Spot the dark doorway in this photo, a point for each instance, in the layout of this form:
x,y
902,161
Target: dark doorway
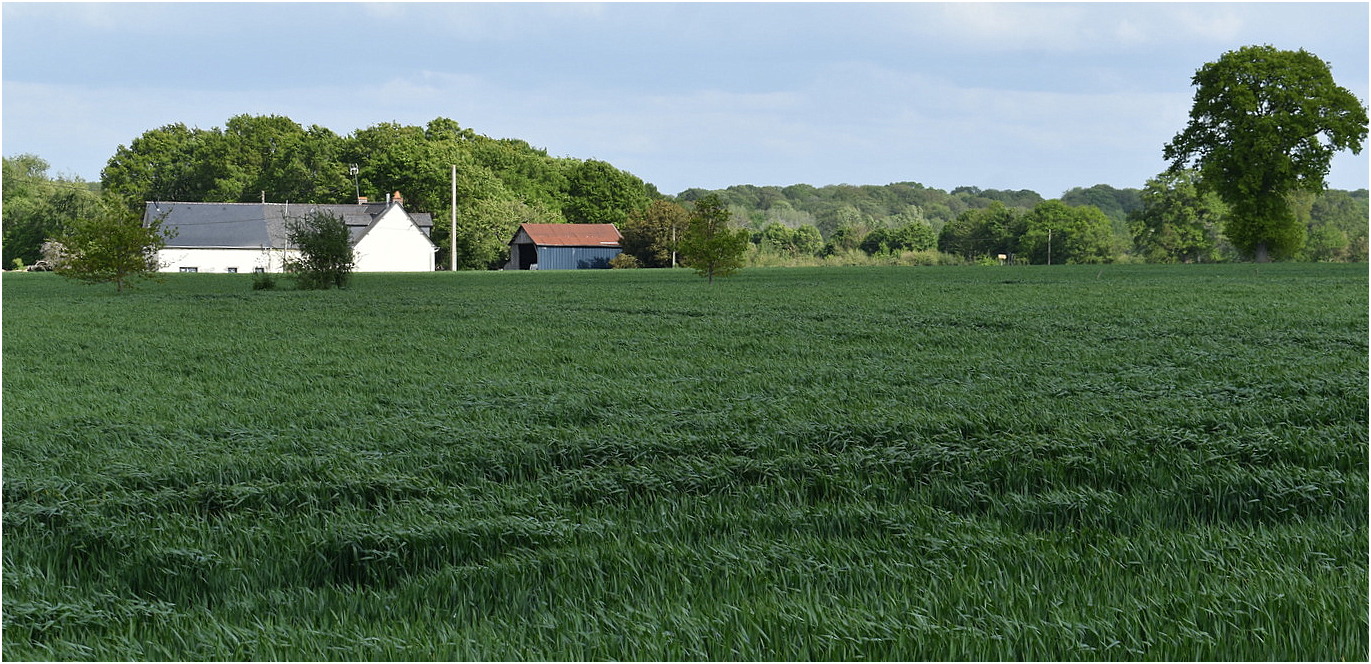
x,y
528,256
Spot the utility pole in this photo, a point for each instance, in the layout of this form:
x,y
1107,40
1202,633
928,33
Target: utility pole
x,y
1049,245
452,233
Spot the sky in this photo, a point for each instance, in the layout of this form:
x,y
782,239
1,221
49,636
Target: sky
x,y
1039,96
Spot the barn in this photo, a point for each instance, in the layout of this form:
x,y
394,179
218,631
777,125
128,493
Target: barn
x,y
563,246
251,237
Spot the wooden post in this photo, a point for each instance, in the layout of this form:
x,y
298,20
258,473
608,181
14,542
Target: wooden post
x,y
452,232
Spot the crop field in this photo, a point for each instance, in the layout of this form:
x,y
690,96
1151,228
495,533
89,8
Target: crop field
x,y
1019,463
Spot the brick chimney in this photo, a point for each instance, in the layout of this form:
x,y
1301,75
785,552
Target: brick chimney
x,y
398,200
361,200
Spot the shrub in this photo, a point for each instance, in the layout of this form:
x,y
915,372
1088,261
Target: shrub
x,y
326,258
624,262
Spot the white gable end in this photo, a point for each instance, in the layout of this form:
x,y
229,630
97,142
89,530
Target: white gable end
x,y
393,243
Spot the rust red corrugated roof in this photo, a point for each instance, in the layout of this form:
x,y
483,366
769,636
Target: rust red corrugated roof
x,y
572,235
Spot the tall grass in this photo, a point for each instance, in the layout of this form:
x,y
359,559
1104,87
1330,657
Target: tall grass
x,y
1127,462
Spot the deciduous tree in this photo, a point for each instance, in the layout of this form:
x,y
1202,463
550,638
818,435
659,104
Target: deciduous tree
x,y
1266,123
1177,221
807,239
651,234
1057,233
992,230
710,246
112,245
602,194
163,164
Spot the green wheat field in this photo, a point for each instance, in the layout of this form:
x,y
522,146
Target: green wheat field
x,y
1003,463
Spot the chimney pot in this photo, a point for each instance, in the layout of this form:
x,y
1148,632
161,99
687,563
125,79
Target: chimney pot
x,y
397,197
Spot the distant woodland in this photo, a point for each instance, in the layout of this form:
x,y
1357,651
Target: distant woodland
x,y
504,182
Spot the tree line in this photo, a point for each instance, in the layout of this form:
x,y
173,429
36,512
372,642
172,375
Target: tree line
x,y
1170,220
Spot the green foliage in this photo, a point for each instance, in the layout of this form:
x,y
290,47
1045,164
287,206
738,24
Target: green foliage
x,y
847,237
1116,204
113,245
325,251
651,234
915,235
976,198
164,164
263,281
624,261
273,157
393,157
1177,223
1335,216
1056,233
486,225
782,240
974,223
37,206
864,464
1265,124
989,231
877,241
865,207
598,193
806,240
709,245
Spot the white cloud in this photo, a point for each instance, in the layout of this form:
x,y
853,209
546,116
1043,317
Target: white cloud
x,y
481,21
1012,26
1073,27
1215,23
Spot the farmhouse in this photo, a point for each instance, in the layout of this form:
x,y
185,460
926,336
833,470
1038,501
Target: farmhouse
x,y
251,237
563,246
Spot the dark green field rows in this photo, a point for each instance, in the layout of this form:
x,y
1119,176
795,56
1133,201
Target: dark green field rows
x,y
1127,462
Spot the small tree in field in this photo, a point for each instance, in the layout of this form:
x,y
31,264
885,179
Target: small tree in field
x,y
709,245
326,259
112,245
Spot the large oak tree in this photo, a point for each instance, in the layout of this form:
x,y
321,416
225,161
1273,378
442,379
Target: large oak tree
x,y
1265,124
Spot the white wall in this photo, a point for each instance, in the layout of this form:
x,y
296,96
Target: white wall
x,y
394,244
220,260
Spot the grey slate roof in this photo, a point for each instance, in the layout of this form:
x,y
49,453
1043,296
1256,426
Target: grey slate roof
x,y
258,225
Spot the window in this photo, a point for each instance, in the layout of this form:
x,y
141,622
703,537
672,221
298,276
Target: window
x,y
231,270
190,269
259,270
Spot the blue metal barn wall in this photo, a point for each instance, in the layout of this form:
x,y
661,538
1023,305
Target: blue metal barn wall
x,y
575,258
